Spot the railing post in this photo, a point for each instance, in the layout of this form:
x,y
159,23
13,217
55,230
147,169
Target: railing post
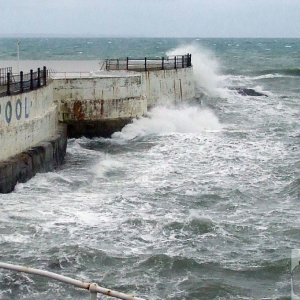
x,y
127,63
31,79
145,63
8,84
93,291
182,62
93,295
44,75
21,82
39,77
162,63
175,62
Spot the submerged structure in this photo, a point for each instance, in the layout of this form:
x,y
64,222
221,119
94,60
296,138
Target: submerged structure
x,y
39,110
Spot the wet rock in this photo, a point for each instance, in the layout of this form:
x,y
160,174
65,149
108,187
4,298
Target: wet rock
x,y
249,92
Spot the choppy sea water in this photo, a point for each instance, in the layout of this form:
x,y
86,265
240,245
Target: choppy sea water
x,y
199,201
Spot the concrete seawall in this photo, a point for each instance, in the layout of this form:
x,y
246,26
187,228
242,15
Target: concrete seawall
x,y
31,138
98,106
43,157
34,125
26,119
168,86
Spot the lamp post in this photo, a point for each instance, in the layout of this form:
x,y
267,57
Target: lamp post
x,y
18,55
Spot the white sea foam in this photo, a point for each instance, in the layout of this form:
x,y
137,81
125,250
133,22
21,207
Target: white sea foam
x,y
107,166
261,89
166,120
268,76
206,69
14,238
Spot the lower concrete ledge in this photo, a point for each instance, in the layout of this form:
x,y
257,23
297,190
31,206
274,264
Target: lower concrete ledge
x,y
103,128
44,157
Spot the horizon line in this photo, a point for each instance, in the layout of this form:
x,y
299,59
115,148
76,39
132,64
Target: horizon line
x,y
23,36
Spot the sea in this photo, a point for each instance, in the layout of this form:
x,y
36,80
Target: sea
x,y
194,201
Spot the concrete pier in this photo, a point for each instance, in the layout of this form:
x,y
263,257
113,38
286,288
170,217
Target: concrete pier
x,y
37,114
98,105
31,138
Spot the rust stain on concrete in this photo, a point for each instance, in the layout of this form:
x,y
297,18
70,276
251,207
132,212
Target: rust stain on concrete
x,y
78,110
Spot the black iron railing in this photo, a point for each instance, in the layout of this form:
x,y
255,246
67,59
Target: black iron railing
x,y
3,74
12,84
148,64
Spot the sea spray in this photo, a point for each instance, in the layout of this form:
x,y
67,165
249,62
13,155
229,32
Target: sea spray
x,y
108,166
165,120
206,69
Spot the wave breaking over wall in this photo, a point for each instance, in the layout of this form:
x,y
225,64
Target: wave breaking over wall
x,y
166,120
206,69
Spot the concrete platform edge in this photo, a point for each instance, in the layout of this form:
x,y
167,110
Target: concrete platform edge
x,y
44,157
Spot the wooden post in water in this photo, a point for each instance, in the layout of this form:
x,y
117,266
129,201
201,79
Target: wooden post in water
x,y
162,63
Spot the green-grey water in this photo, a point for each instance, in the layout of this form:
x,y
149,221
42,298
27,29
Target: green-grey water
x,y
199,201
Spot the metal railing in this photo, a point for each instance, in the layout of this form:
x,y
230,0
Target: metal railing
x,y
149,64
3,75
14,84
70,75
93,288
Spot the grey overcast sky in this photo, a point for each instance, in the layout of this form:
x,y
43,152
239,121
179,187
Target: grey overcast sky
x,y
150,18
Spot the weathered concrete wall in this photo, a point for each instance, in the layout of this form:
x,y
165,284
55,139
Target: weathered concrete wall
x,y
43,157
168,86
31,139
25,120
99,105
